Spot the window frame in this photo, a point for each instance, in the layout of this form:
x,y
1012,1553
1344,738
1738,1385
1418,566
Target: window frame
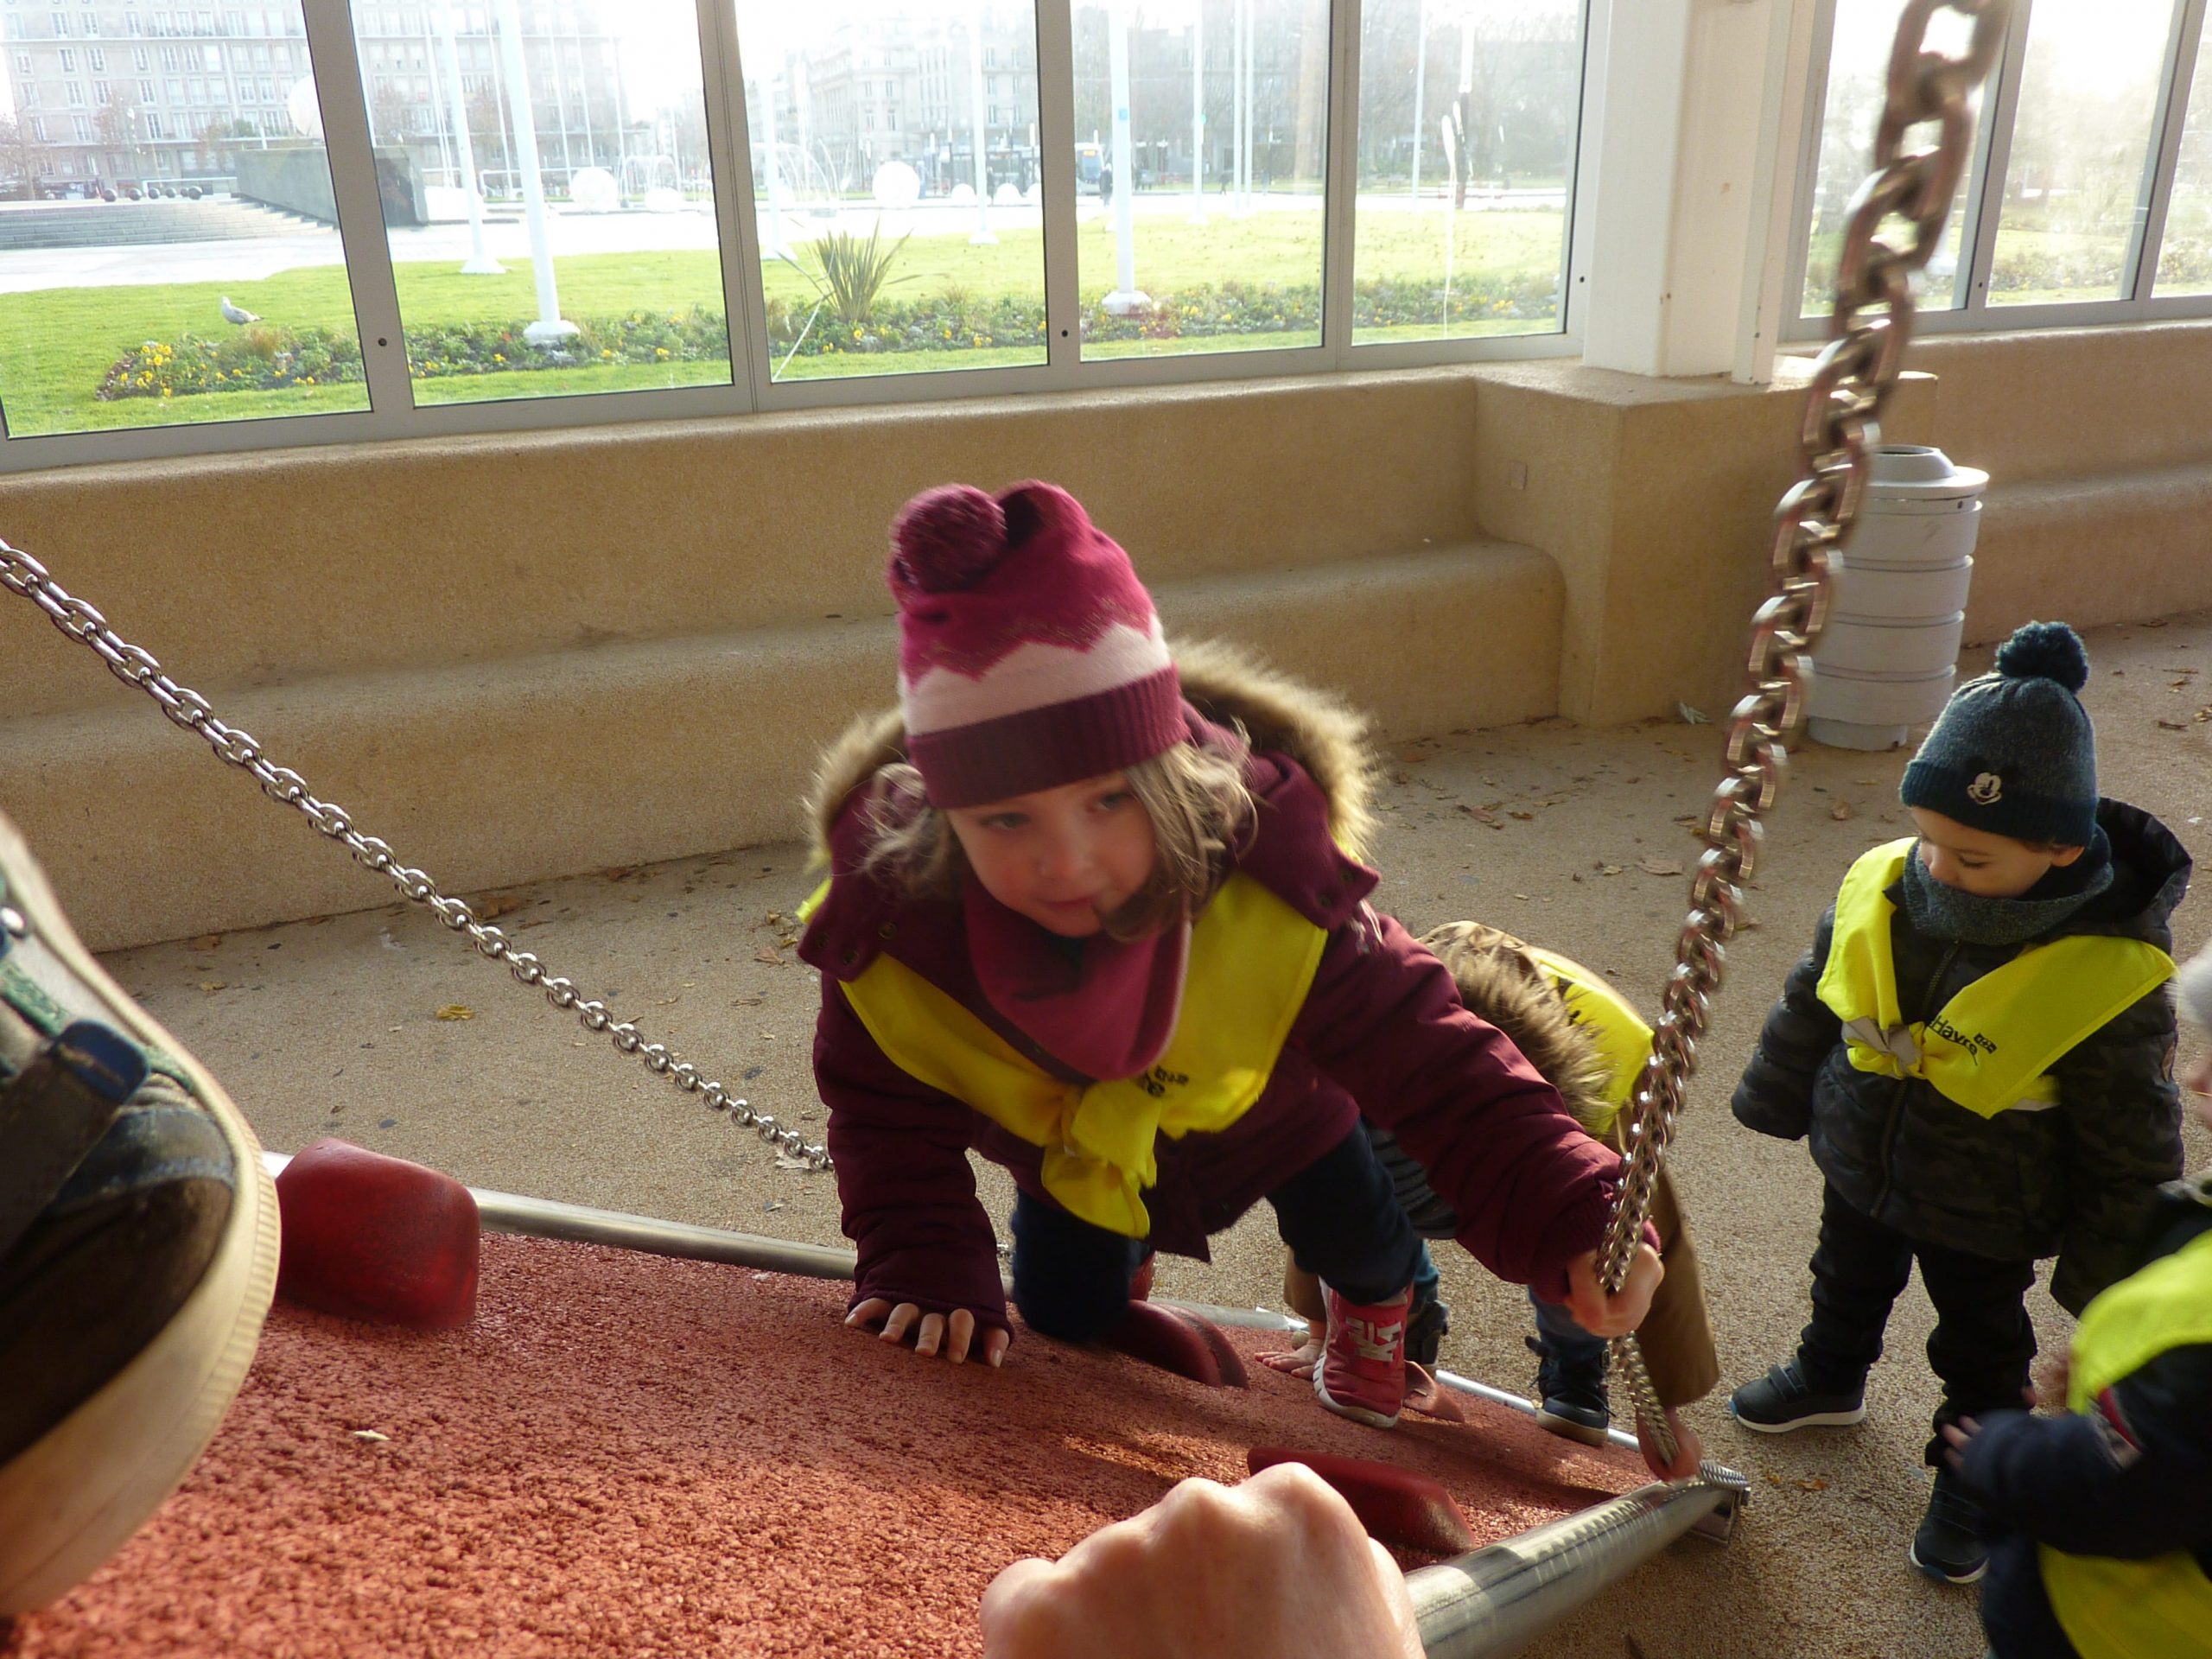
x,y
334,61
1970,311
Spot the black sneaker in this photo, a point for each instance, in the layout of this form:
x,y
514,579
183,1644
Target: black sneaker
x,y
1570,1395
137,1251
1948,1545
1783,1399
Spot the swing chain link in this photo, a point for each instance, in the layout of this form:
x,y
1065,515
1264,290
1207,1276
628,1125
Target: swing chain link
x,y
1851,381
20,573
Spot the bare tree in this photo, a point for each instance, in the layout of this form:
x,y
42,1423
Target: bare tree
x,y
19,156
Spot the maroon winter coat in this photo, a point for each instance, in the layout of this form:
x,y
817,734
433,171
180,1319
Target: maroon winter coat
x,y
1381,1032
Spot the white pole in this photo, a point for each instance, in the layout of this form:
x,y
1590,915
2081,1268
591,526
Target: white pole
x,y
1420,80
1239,93
481,262
1198,112
982,237
550,326
1127,297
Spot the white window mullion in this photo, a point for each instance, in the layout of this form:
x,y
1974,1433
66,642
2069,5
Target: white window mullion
x,y
737,231
1589,118
1340,188
1056,170
2150,229
337,70
1985,199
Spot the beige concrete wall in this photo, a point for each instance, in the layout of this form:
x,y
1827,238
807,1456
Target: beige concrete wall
x,y
260,569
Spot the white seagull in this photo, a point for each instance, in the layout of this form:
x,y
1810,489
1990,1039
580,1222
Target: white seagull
x,y
238,314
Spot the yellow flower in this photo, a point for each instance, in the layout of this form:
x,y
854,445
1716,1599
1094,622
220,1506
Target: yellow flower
x,y
604,352
660,351
498,357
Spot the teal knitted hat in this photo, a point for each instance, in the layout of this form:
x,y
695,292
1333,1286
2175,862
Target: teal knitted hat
x,y
2014,753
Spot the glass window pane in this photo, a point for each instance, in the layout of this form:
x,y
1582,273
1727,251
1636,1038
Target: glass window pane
x,y
547,196
2185,256
892,242
1224,256
2074,188
1859,67
1468,115
181,267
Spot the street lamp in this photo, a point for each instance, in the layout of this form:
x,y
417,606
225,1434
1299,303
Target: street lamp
x,y
983,236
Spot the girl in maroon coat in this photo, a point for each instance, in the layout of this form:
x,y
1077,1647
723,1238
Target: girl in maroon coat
x,y
1103,922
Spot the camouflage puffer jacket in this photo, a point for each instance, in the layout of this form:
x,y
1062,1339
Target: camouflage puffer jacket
x,y
2078,1181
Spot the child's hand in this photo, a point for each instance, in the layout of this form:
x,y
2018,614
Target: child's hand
x,y
1956,1438
1689,1451
1602,1315
956,1335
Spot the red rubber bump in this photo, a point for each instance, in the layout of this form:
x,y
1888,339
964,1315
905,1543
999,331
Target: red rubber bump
x,y
1228,1364
370,1237
1162,1337
1395,1505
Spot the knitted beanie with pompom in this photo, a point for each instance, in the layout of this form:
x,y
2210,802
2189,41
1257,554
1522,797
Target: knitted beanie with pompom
x,y
2013,752
1029,653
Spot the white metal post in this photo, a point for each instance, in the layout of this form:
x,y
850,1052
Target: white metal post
x,y
1127,297
1198,112
983,236
1421,78
1241,186
774,243
550,326
479,262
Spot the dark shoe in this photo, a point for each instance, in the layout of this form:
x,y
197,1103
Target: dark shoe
x,y
1783,1399
137,1251
1362,1373
1572,1394
1948,1546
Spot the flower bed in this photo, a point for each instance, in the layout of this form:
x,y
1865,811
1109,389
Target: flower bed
x,y
255,358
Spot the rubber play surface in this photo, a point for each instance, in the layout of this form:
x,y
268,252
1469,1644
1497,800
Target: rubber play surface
x,y
627,1454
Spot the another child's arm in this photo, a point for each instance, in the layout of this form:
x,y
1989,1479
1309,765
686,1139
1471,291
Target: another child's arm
x,y
2122,1122
928,1258
1383,1021
2126,1478
1776,1094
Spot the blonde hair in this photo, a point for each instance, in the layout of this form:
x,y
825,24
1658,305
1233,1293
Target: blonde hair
x,y
1196,799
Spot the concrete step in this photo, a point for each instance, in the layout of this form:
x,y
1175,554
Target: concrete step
x,y
489,773
132,223
2111,547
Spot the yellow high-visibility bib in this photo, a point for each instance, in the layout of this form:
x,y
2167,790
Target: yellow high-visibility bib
x,y
1252,961
1624,1040
1990,1048
2160,1608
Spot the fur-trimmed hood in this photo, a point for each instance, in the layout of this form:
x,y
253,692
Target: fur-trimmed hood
x,y
1226,684
1500,981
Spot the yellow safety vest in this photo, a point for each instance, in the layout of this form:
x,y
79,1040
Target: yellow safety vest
x,y
1990,1046
1252,961
1624,1041
2160,1608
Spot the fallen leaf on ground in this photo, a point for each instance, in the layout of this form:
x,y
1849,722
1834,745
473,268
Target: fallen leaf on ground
x,y
1691,716
2205,713
211,986
784,1160
371,1436
457,1011
1610,869
1812,1484
497,904
205,941
765,954
2173,725
616,871
1659,866
1840,811
1525,817
1411,758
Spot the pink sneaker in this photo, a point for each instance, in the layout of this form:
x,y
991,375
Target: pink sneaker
x,y
1362,1374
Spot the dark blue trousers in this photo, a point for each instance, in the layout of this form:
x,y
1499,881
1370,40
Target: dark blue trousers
x,y
1339,1216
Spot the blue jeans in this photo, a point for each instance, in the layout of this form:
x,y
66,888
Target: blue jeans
x,y
1570,1346
1339,1215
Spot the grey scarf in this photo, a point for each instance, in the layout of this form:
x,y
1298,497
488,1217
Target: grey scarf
x,y
1942,913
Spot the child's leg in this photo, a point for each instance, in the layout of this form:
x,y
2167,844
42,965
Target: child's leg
x,y
1340,1217
1983,1342
1859,1269
1570,1376
1070,1279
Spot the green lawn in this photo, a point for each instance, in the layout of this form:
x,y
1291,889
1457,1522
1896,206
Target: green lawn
x,y
56,345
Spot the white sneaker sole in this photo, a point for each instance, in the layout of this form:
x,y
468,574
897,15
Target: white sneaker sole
x,y
73,1497
1372,1418
1814,1419
1568,1429
1912,1554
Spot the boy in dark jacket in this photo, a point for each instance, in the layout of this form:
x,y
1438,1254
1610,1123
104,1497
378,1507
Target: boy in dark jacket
x,y
2104,1548
1980,1048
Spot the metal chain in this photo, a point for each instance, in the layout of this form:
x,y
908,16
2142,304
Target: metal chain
x,y
1851,382
24,574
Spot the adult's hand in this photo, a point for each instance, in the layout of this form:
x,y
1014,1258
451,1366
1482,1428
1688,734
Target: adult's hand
x,y
1277,1567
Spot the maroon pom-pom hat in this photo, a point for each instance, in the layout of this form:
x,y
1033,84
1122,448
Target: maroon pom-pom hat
x,y
1029,653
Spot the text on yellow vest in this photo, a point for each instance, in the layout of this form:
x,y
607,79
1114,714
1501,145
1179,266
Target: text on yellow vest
x,y
1989,1047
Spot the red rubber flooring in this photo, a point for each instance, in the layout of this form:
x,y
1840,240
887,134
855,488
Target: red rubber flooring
x,y
628,1455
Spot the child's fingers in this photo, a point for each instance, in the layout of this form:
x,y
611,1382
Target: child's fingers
x,y
867,1312
995,1343
930,1334
901,1321
959,1332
